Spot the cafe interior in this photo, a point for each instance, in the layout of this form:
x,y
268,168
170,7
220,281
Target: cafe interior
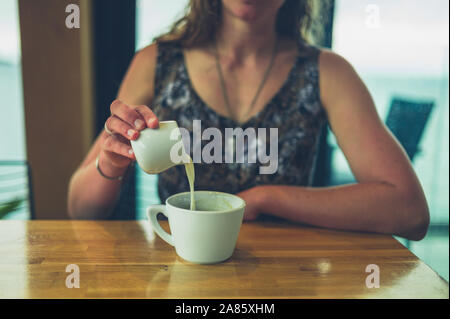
x,y
57,81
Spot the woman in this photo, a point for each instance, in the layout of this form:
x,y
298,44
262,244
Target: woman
x,y
242,63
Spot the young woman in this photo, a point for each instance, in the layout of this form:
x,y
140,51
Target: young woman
x,y
245,63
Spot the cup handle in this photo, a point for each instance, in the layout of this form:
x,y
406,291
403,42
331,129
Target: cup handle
x,y
152,212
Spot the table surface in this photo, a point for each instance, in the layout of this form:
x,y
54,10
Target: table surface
x,y
125,259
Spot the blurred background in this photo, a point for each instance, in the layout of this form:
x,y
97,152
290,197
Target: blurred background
x,y
56,85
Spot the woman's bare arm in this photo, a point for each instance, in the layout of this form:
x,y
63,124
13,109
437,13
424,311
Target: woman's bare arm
x,y
92,196
388,197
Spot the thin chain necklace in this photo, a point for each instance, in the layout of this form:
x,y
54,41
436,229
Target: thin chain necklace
x,y
258,91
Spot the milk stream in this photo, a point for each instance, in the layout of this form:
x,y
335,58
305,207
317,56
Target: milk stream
x,y
190,172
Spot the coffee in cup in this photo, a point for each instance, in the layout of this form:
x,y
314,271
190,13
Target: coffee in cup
x,y
206,235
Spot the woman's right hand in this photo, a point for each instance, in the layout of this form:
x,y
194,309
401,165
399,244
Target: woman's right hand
x,y
125,123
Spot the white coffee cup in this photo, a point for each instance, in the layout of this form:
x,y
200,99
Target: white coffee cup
x,y
153,147
201,236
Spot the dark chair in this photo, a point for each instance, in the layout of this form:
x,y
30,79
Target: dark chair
x,y
322,170
406,120
16,192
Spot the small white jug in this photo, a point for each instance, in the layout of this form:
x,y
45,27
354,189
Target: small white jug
x,y
154,147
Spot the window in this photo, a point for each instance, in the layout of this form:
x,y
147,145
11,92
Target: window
x,y
400,49
13,171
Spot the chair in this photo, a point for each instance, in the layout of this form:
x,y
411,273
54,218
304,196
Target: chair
x,y
406,120
322,171
16,192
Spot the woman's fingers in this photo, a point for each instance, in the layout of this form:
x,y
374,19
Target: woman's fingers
x,y
116,125
122,126
128,114
119,145
150,118
139,117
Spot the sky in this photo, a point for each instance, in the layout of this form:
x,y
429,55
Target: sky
x,y
410,38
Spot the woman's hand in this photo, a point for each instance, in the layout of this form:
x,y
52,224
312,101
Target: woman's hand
x,y
253,198
122,126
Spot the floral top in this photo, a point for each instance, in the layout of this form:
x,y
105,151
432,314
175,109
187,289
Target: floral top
x,y
296,111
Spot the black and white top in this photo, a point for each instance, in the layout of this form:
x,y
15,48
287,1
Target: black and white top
x,y
296,111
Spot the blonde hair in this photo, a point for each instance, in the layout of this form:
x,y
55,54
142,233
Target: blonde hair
x,y
200,23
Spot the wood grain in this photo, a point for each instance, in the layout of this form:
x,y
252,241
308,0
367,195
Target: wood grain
x,y
272,260
58,98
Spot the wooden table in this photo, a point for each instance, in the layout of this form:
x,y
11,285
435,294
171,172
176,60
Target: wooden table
x,y
272,260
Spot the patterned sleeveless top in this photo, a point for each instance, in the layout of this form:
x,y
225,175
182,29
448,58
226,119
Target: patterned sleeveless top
x,y
296,111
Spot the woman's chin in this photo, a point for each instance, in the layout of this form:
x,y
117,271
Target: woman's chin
x,y
248,14
252,10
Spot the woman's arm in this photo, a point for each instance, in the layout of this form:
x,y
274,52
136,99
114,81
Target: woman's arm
x,y
92,196
388,197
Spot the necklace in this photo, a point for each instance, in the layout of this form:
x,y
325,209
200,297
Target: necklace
x,y
258,91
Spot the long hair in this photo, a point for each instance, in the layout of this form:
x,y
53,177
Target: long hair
x,y
202,19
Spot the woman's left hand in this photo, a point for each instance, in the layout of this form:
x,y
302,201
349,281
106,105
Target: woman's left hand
x,y
253,198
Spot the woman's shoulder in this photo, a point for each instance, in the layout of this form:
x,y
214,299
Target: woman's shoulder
x,y
147,55
334,70
325,58
137,85
337,76
332,62
148,59
156,50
